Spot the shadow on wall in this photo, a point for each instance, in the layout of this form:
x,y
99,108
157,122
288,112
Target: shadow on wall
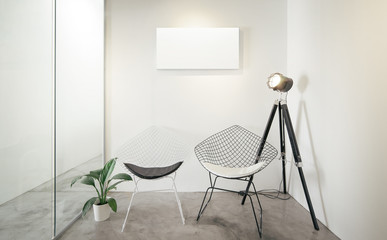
x,y
302,114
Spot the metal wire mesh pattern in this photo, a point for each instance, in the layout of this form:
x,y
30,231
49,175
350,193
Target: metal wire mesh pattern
x,y
233,154
234,147
155,150
154,147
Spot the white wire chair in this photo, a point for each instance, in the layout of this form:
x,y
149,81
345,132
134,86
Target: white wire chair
x,y
153,154
233,154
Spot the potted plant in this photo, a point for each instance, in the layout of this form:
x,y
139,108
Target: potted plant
x,y
102,182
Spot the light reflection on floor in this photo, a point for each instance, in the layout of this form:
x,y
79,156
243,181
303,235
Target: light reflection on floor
x,y
30,215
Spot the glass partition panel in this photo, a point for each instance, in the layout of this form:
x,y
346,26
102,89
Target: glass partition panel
x,y
39,158
79,102
26,106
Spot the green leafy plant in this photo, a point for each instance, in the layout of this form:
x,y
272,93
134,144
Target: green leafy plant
x,y
102,182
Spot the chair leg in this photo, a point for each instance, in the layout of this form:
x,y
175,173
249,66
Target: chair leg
x,y
247,190
130,204
205,195
178,201
259,224
245,194
127,213
256,194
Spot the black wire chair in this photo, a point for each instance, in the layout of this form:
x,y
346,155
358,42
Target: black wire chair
x,y
233,154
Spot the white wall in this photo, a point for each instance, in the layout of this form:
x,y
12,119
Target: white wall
x,y
336,55
80,82
334,52
25,95
197,103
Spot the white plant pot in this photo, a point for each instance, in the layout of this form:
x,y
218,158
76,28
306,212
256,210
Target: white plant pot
x,y
101,212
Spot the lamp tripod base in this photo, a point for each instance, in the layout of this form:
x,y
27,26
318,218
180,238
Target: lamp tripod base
x,y
285,121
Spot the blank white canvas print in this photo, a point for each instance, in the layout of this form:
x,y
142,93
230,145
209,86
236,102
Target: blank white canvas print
x,y
197,48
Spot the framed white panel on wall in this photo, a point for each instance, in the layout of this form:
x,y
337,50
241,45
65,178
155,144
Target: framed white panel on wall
x,y
197,48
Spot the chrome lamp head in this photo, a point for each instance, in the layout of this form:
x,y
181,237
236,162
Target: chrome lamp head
x,y
279,82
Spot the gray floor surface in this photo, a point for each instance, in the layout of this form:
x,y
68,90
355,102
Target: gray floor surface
x,y
30,215
156,216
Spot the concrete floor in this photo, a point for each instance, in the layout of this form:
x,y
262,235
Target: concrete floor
x,y
156,216
30,215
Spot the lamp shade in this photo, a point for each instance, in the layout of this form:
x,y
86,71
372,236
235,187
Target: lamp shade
x,y
279,82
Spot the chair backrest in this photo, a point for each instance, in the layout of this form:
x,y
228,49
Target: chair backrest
x,y
154,147
234,147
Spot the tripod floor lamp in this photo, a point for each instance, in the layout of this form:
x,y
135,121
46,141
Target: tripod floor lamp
x,y
283,84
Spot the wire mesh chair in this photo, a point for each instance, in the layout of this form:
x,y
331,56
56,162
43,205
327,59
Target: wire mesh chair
x,y
153,154
233,154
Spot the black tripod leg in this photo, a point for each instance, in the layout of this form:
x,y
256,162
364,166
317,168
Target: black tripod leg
x,y
297,158
247,190
262,144
282,143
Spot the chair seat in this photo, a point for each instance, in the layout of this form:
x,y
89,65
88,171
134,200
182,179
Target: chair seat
x,y
152,172
234,172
